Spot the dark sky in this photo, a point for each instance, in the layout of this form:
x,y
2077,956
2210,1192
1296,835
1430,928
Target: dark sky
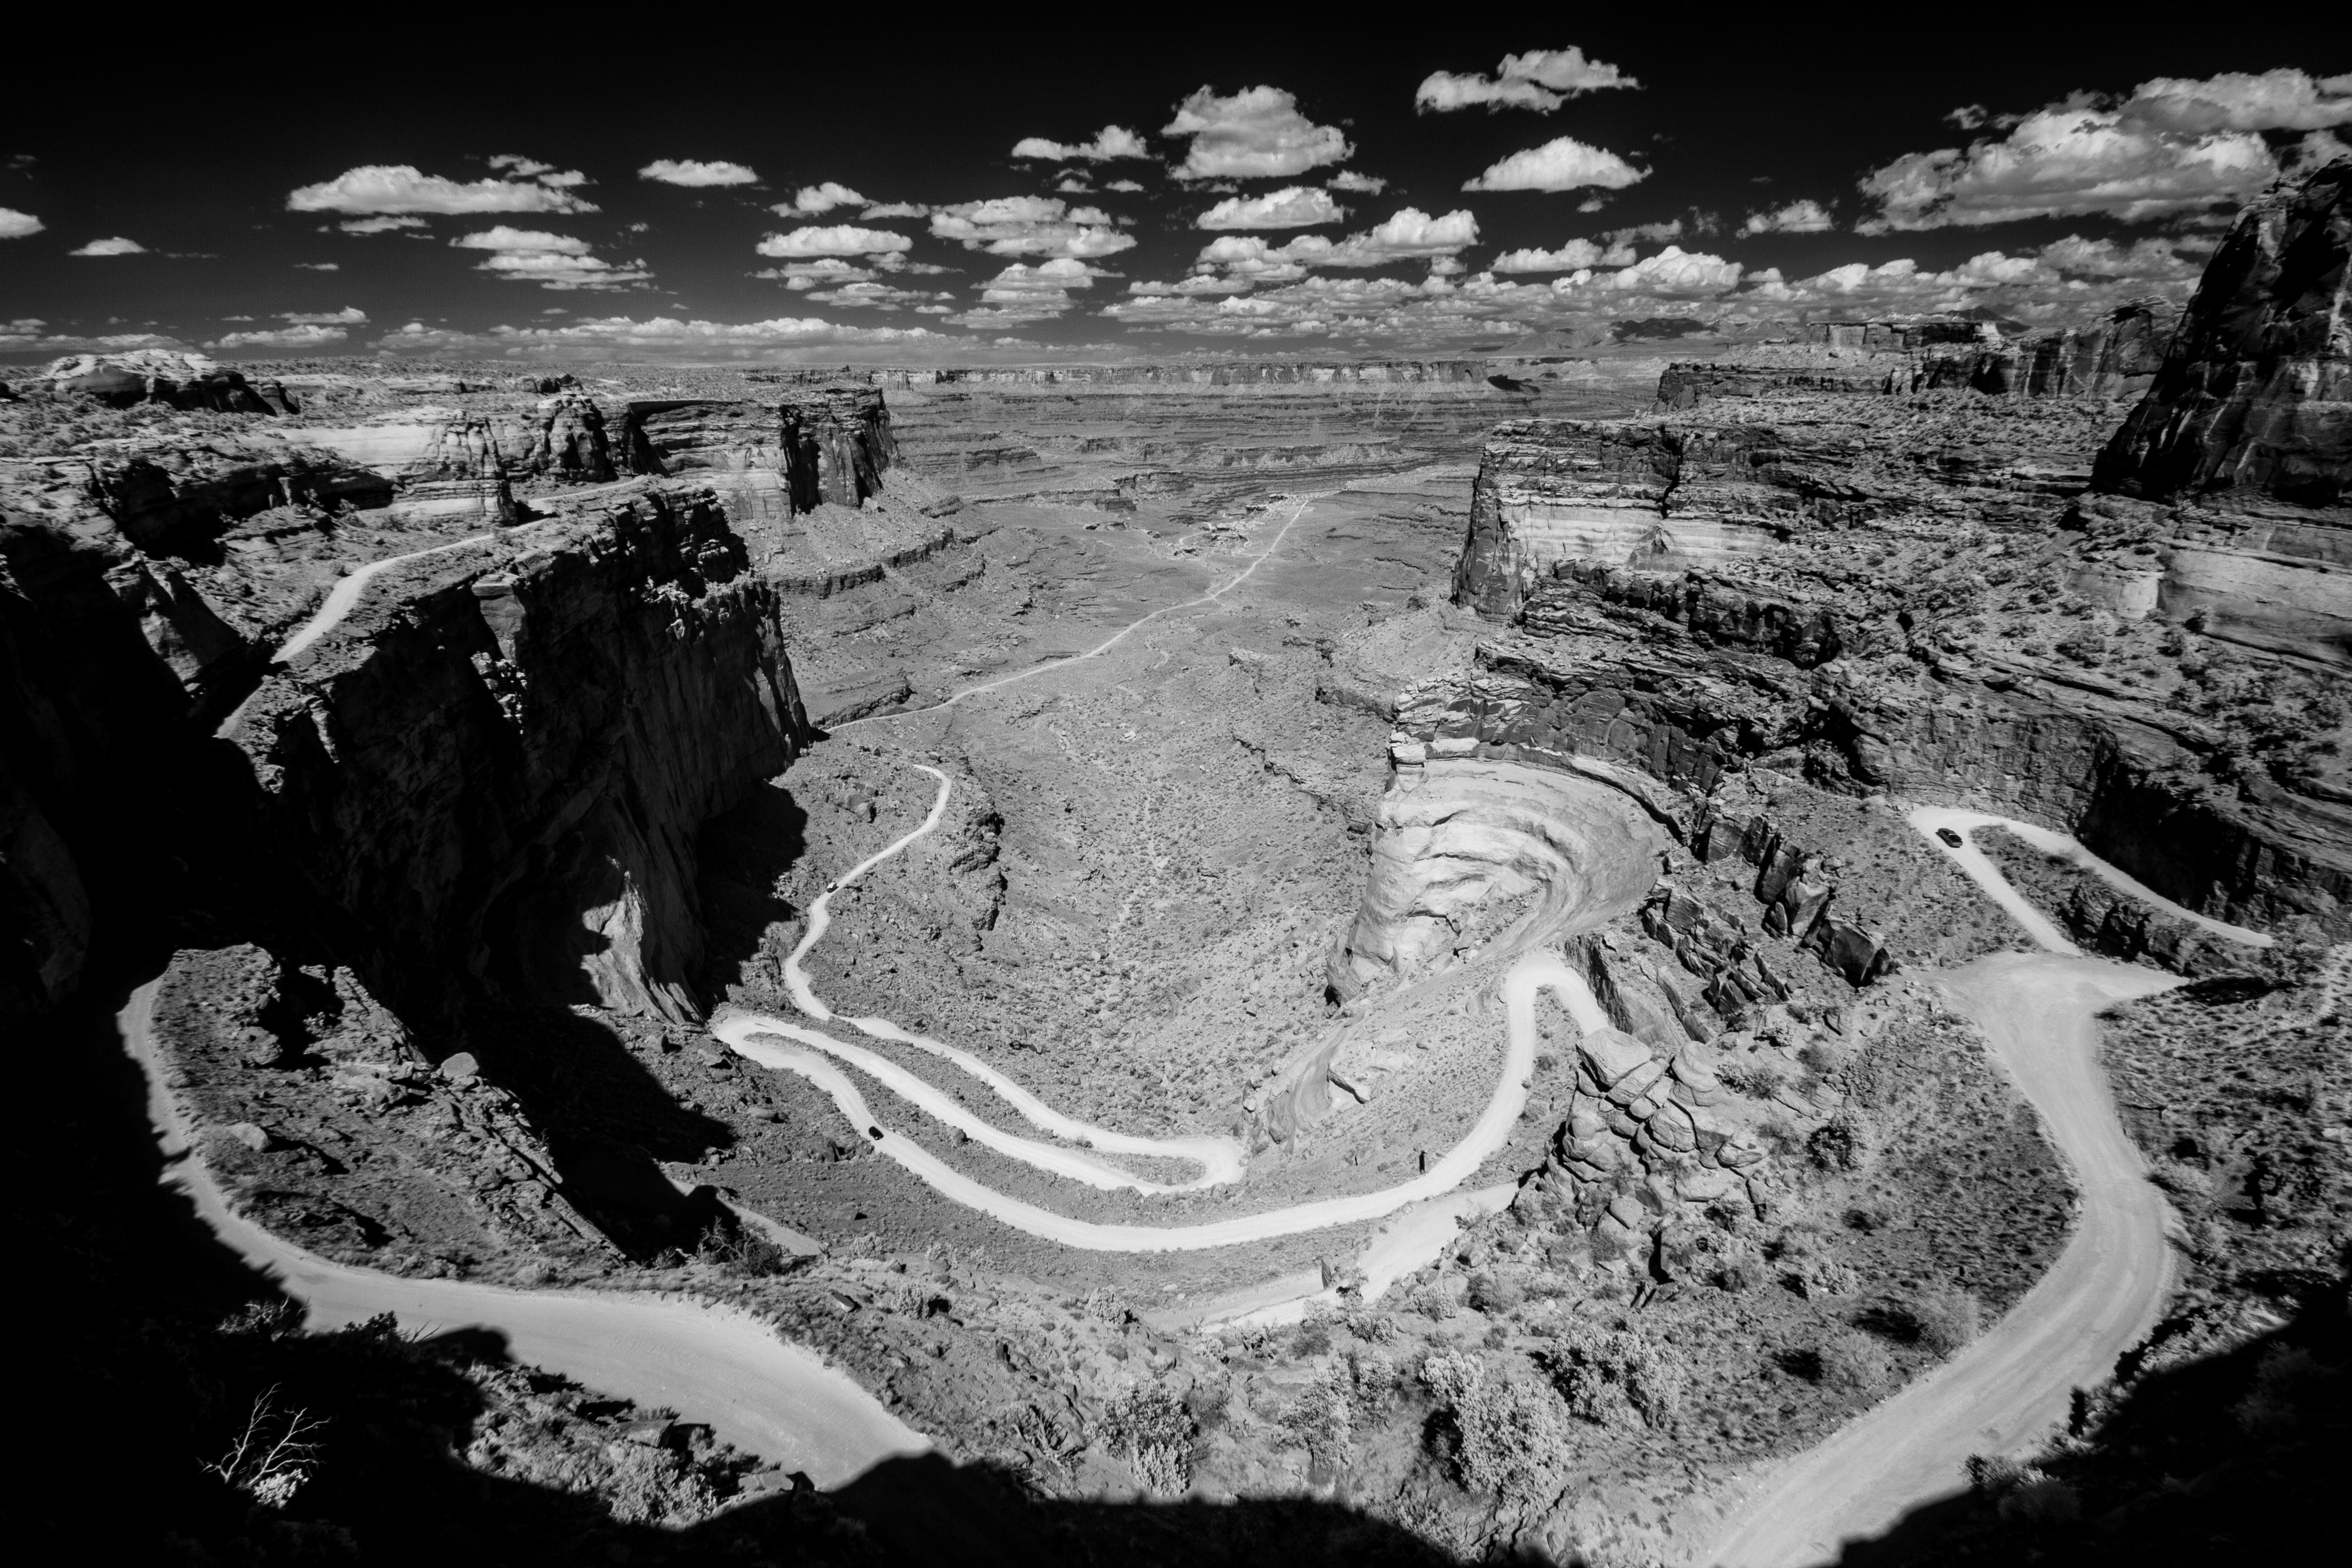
x,y
189,146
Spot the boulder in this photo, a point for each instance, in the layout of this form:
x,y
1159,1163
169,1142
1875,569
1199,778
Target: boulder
x,y
1611,1054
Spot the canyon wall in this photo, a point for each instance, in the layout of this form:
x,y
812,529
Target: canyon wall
x,y
2252,407
490,772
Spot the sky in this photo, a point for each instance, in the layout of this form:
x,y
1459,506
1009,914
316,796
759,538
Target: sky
x,y
876,193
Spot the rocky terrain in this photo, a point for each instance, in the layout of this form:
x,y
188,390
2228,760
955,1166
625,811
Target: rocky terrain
x,y
508,726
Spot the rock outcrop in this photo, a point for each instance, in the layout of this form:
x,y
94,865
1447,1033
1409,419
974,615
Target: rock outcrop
x,y
2253,405
491,770
2117,356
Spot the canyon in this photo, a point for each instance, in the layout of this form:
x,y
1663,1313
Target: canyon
x,y
1391,961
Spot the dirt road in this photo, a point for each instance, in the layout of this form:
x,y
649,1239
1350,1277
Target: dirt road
x,y
753,1388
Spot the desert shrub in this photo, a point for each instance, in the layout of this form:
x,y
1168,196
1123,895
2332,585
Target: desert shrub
x,y
1495,1293
1946,1319
2289,1382
1854,1361
741,1251
1838,1145
1103,1305
1757,1081
1372,1328
2023,1492
1510,1437
1152,1425
1614,1377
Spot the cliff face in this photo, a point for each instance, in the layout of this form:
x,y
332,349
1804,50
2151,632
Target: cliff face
x,y
1917,594
499,765
490,772
2115,357
818,446
2253,404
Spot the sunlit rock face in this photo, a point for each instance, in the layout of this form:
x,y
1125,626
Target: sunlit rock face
x,y
1474,855
2253,405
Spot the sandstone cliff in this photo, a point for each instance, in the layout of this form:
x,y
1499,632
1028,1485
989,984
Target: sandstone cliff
x,y
2253,404
494,767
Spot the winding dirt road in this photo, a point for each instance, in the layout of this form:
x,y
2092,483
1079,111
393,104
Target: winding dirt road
x,y
726,1370
2011,1389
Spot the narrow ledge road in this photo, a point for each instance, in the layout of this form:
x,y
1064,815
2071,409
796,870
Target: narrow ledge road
x,y
2011,1389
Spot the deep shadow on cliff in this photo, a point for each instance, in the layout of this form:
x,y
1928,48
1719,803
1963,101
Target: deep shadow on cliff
x,y
2234,1457
149,1344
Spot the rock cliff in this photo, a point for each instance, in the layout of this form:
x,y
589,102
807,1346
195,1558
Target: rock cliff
x,y
1916,592
2253,404
493,768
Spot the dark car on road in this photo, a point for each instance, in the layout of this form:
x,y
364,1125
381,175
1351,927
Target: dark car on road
x,y
1949,837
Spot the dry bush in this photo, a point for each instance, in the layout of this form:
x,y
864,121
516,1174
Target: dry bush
x,y
1854,1361
1152,1424
1511,1436
1614,1377
1947,1318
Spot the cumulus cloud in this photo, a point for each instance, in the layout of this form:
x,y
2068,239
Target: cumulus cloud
x,y
1410,235
309,336
379,224
349,316
1110,142
865,294
32,333
503,237
1023,293
2173,146
896,209
117,245
1293,207
514,163
1575,254
550,260
1673,273
1540,79
696,175
15,225
1564,163
1350,181
1030,226
1798,218
2235,101
836,239
404,188
1257,133
1128,185
317,266
821,198
606,336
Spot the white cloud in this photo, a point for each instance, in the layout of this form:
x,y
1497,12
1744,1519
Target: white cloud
x,y
2174,146
1030,226
2150,261
1411,234
296,337
828,270
349,316
1111,142
118,246
503,237
2281,99
1293,207
380,224
1122,185
1350,181
1257,134
317,266
821,198
1540,79
404,188
836,239
1797,217
696,175
550,260
1673,272
15,225
599,337
1576,252
1022,293
866,294
32,333
896,209
1564,163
